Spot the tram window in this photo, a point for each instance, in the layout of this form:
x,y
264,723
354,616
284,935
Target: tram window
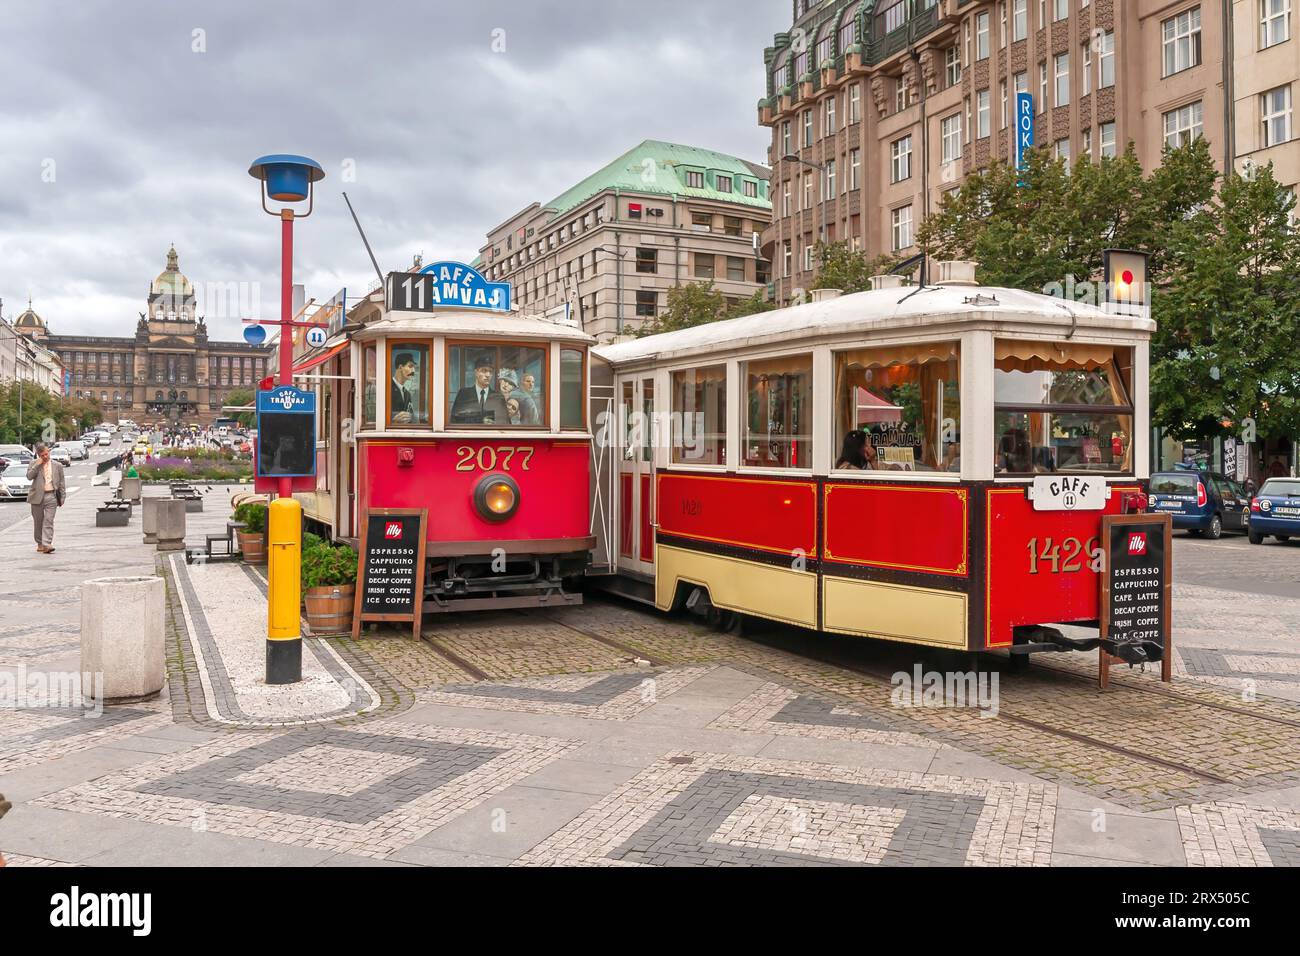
x,y
778,413
496,385
1062,407
369,371
408,389
907,401
699,419
571,390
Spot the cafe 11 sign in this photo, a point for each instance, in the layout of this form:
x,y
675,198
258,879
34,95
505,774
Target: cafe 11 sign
x,y
445,285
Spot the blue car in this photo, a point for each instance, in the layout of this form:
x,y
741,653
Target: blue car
x,y
1275,510
1201,502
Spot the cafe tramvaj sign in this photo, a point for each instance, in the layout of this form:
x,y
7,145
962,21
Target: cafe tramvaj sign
x,y
444,285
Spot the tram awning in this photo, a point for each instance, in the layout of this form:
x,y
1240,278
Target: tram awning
x,y
320,358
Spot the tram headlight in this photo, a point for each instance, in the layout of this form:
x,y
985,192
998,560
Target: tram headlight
x,y
496,497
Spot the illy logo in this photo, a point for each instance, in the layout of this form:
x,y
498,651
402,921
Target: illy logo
x,y
392,531
1137,545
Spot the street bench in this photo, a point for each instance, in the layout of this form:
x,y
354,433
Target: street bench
x,y
218,547
114,514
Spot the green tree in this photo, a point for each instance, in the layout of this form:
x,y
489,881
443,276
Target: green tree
x,y
43,416
1228,315
699,303
242,396
840,266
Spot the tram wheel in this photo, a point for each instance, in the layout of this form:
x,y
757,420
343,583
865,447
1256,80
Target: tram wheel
x,y
727,622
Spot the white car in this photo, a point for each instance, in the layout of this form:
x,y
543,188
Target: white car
x,y
61,456
76,450
105,438
14,483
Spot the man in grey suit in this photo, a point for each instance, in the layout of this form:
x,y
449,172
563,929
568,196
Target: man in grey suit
x,y
47,494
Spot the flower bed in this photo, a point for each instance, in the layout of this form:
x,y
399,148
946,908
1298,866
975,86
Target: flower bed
x,y
170,468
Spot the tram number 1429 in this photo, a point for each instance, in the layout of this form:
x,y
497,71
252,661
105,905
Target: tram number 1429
x,y
1067,557
489,458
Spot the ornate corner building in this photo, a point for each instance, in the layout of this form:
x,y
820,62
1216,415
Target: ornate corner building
x,y
168,371
879,107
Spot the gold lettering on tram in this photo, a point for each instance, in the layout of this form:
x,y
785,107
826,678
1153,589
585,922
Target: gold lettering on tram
x,y
489,458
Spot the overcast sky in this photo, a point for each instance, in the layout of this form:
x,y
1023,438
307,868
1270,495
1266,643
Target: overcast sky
x,y
126,125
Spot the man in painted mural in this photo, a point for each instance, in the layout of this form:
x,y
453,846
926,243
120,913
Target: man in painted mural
x,y
480,403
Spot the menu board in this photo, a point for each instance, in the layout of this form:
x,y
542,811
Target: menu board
x,y
390,571
1136,584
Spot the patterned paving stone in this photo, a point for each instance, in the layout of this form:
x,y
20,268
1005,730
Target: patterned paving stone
x,y
776,709
696,809
513,646
618,696
1235,834
367,790
1237,667
15,859
34,735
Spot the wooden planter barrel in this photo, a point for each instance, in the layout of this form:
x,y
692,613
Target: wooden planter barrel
x,y
252,547
329,608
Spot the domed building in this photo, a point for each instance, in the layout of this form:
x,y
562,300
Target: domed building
x,y
168,371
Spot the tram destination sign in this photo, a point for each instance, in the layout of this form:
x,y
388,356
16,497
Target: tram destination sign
x,y
446,285
390,568
1136,584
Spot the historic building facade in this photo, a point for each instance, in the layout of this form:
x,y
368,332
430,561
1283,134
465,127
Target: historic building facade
x,y
168,371
612,246
879,107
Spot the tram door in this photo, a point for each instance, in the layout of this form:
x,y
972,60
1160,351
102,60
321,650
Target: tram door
x,y
636,475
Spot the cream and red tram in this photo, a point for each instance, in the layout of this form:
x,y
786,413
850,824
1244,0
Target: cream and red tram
x,y
992,430
477,416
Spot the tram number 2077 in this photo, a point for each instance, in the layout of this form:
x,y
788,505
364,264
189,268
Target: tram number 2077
x,y
489,458
1067,557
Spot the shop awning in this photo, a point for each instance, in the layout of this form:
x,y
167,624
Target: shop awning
x,y
320,358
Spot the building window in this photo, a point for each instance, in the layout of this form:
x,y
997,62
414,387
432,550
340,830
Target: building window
x,y
1061,150
699,418
724,184
778,412
1060,9
1087,144
855,103
1274,22
1019,19
1042,86
855,169
982,36
1003,87
1183,126
702,221
1087,69
1182,41
786,208
830,115
807,254
786,144
807,128
907,400
830,179
735,269
950,137
694,179
1275,109
900,95
952,66
1062,65
646,302
1106,59
807,191
787,256
749,188
647,260
900,154
703,266
982,114
902,228
730,226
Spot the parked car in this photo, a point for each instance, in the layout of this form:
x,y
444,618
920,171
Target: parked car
x,y
1201,502
61,456
75,449
1275,510
14,483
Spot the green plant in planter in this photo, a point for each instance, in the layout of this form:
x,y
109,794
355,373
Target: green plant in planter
x,y
253,515
328,566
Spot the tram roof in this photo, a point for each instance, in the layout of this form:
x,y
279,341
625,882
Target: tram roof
x,y
472,322
883,310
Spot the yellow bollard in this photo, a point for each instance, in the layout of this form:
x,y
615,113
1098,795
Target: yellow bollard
x,y
284,592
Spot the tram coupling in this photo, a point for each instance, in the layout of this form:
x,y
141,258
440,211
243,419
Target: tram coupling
x,y
1039,638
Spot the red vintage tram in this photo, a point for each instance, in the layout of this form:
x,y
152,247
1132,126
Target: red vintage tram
x,y
473,412
926,465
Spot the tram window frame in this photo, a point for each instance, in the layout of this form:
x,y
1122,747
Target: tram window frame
x,y
496,345
1013,351
393,347
807,435
565,423
370,378
714,446
907,355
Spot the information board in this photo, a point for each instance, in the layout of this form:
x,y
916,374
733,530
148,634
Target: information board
x,y
390,568
1136,584
286,433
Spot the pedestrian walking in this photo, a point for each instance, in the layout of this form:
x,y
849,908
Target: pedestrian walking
x,y
47,495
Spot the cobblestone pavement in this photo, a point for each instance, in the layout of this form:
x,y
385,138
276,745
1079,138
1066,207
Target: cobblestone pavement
x,y
609,735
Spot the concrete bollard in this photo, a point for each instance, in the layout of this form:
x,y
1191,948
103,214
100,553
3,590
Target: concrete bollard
x,y
129,490
149,519
122,638
170,518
